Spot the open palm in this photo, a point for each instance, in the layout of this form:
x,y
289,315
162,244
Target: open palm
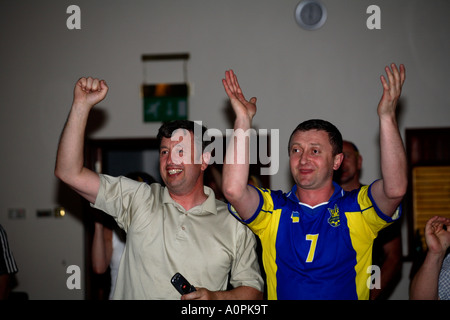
x,y
392,89
241,106
436,235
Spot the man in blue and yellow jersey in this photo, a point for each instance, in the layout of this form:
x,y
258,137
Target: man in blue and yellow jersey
x,y
317,239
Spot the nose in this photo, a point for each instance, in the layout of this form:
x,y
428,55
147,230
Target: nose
x,y
174,157
304,158
169,159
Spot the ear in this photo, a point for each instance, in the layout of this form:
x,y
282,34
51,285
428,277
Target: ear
x,y
359,162
338,161
206,157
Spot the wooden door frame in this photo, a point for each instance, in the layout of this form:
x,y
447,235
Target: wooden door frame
x,y
424,147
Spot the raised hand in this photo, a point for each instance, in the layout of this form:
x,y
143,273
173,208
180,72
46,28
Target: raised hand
x,y
90,91
437,234
392,89
69,166
241,106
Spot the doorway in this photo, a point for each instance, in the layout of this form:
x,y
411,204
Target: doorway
x,y
428,155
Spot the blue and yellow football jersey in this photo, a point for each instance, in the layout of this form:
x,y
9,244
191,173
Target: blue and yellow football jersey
x,y
320,252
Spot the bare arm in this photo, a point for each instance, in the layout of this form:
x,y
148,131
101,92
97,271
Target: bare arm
x,y
235,172
5,286
101,248
391,267
389,191
424,285
70,158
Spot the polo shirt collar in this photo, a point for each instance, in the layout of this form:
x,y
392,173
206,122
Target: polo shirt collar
x,y
207,207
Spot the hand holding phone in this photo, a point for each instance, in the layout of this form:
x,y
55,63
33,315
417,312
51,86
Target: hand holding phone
x,y
181,284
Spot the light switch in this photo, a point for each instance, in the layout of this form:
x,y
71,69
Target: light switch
x,y
16,213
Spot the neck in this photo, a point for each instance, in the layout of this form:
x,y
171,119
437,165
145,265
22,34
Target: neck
x,y
314,197
190,199
351,185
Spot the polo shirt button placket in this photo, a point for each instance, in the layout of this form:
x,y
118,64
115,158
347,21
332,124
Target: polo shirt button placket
x,y
183,219
181,233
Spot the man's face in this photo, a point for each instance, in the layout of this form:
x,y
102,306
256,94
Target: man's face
x,y
180,166
350,165
311,159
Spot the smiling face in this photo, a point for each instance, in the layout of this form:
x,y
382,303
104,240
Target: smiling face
x,y
180,165
311,159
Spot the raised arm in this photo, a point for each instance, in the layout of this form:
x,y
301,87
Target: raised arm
x,y
101,248
70,157
424,285
242,197
388,192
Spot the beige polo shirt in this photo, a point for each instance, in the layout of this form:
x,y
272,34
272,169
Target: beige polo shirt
x,y
206,244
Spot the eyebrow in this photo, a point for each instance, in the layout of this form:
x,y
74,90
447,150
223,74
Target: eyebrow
x,y
310,144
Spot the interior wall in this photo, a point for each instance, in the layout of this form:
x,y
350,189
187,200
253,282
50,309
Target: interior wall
x,y
331,73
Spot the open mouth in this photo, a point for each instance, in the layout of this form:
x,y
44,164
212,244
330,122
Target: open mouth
x,y
174,171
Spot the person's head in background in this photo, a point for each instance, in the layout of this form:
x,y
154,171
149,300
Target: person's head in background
x,y
349,172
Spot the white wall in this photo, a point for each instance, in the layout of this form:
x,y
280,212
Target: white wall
x,y
331,73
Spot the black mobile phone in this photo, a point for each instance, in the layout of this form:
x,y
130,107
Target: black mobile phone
x,y
181,284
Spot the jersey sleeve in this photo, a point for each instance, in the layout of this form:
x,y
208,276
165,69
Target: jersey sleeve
x,y
370,219
264,215
7,262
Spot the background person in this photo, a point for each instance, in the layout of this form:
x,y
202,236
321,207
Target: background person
x,y
387,247
432,280
109,239
8,266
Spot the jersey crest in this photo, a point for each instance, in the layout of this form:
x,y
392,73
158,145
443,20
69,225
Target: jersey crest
x,y
334,220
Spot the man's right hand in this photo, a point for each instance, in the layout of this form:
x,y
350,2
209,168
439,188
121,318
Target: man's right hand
x,y
437,235
69,166
89,91
242,107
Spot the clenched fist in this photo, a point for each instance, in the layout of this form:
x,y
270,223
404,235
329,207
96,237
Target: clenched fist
x,y
89,91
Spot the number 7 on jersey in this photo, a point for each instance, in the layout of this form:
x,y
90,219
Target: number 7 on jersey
x,y
312,249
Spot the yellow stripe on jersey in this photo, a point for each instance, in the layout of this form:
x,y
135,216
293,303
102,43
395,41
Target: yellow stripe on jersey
x,y
266,227
368,220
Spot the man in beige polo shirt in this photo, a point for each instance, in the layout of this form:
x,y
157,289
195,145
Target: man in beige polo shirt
x,y
177,228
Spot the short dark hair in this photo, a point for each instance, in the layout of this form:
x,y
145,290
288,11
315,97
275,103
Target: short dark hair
x,y
334,134
167,128
355,148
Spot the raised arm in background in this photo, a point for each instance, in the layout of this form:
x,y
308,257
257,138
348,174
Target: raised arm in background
x,y
236,190
388,192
